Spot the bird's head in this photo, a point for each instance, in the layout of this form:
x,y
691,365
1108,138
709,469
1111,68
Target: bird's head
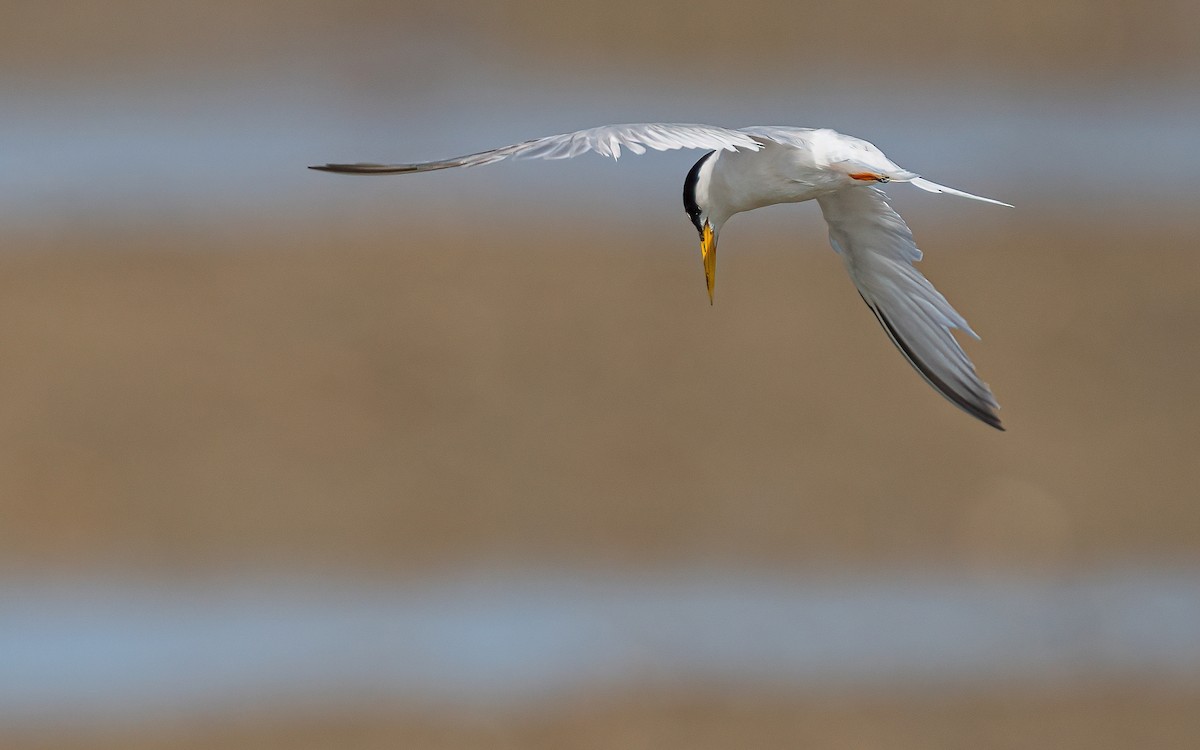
x,y
695,195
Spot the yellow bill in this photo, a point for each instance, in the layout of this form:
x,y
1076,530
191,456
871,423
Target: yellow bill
x,y
708,251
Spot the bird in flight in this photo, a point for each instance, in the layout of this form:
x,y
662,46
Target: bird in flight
x,y
758,166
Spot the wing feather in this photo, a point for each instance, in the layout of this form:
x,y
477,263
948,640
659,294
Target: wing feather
x,y
878,250
607,140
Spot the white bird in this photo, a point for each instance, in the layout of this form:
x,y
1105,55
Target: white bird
x,y
752,167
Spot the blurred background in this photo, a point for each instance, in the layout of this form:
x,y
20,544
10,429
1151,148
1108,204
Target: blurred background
x,y
297,460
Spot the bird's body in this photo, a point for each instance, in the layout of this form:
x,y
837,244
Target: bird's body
x,y
745,180
753,167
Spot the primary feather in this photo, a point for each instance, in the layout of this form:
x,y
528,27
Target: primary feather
x,y
606,140
878,250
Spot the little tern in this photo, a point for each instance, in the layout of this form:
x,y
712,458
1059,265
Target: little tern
x,y
758,166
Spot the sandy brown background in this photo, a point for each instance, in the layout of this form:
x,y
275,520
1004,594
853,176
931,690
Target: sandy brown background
x,y
347,399
388,395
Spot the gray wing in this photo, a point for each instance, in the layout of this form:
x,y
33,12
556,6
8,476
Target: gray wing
x,y
879,252
607,140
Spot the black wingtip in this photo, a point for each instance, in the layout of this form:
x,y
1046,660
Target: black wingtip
x,y
365,168
982,412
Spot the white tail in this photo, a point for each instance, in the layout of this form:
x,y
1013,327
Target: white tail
x,y
933,187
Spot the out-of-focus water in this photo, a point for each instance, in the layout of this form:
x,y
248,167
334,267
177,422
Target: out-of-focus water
x,y
112,650
239,148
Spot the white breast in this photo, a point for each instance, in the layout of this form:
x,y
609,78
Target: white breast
x,y
732,182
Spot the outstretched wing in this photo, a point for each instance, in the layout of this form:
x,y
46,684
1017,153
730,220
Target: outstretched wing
x,y
878,250
607,140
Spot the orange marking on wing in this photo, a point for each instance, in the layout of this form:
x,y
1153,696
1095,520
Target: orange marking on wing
x,y
864,176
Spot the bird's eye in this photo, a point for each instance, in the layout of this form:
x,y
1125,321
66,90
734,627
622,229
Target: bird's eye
x,y
885,178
